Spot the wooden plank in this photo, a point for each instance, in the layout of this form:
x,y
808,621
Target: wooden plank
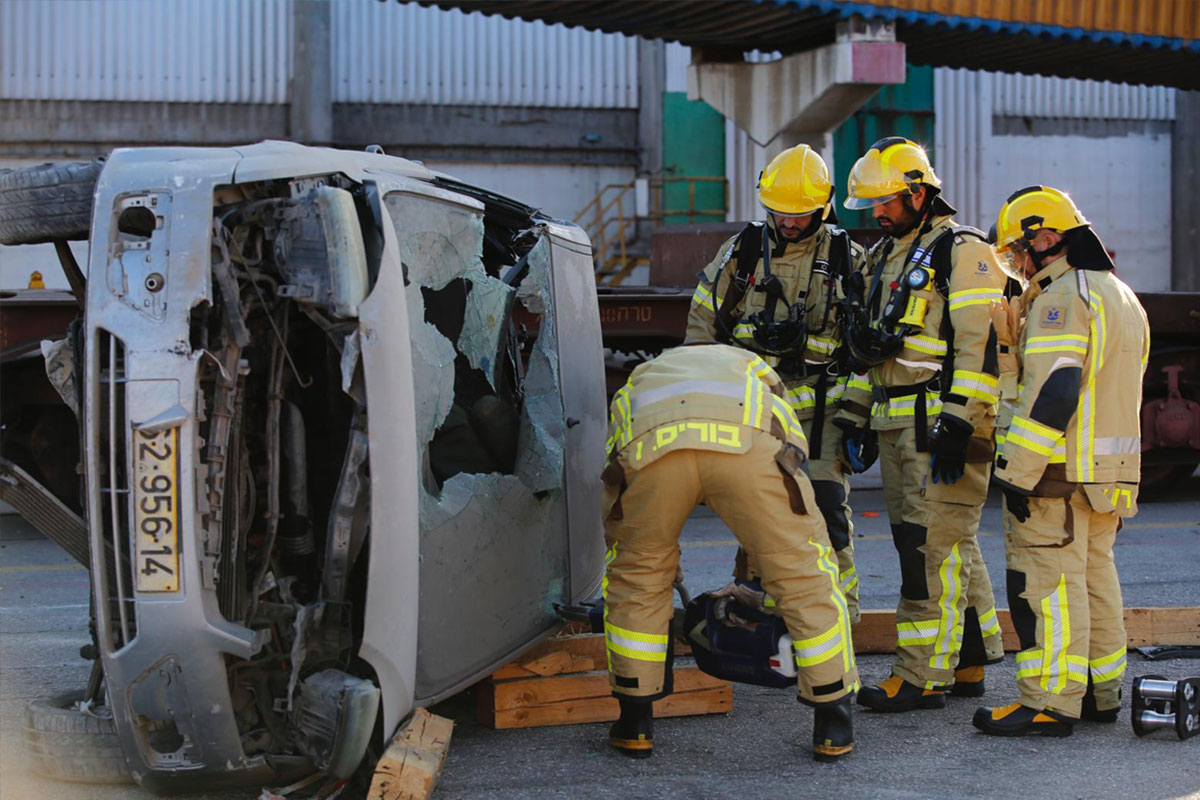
x,y
718,700
876,632
555,663
583,645
410,766
1147,626
558,688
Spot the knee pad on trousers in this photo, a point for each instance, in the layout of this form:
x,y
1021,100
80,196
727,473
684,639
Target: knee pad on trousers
x,y
1023,619
972,653
908,539
831,496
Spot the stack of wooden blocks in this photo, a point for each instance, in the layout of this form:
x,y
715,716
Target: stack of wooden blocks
x,y
564,681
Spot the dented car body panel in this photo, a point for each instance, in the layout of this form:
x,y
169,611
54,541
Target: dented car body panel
x,y
337,478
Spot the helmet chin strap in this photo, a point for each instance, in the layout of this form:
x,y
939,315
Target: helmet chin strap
x,y
1038,256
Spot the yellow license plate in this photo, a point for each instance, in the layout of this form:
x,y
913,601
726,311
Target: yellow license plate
x,y
156,510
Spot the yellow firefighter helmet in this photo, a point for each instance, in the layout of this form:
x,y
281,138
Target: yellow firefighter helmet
x,y
1035,207
887,170
796,182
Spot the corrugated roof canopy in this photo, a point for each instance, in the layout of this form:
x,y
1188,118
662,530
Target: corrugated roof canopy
x,y
1122,41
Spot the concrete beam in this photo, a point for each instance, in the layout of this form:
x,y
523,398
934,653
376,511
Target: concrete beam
x,y
805,95
86,129
492,133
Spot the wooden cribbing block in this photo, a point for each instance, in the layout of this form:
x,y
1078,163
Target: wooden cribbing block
x,y
564,681
876,632
410,766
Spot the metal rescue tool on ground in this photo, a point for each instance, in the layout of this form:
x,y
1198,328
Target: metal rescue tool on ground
x,y
1161,703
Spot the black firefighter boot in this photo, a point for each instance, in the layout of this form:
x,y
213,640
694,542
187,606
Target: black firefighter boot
x,y
833,730
1093,714
633,732
1015,719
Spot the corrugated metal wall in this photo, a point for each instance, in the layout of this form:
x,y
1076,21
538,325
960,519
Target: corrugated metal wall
x,y
239,51
402,53
207,51
1058,98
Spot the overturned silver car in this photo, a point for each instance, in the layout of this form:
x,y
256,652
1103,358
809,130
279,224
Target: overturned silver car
x,y
342,424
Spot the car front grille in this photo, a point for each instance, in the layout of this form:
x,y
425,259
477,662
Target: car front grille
x,y
113,478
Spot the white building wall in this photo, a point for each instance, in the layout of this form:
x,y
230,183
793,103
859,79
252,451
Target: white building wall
x,y
1121,180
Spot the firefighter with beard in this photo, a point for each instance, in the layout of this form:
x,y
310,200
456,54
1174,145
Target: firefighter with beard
x,y
1069,465
919,326
775,290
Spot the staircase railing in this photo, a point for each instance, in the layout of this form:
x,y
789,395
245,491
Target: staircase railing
x,y
612,219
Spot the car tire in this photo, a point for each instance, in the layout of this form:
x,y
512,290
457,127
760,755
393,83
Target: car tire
x,y
47,202
67,744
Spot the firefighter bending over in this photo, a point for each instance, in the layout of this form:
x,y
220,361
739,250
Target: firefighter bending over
x,y
711,424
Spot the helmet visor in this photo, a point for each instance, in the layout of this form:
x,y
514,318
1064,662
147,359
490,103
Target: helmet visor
x,y
869,202
782,216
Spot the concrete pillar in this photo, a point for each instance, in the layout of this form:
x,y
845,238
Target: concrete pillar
x,y
1185,193
311,113
652,82
803,96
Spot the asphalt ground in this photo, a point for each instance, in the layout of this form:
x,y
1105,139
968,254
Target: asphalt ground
x,y
761,750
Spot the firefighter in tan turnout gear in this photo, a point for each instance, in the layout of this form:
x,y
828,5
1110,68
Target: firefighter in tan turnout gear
x,y
710,423
918,321
774,289
1069,465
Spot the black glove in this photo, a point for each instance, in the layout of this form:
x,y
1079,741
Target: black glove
x,y
948,446
859,447
1016,502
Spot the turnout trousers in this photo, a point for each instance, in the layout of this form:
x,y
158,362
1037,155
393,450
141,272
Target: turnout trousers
x,y
946,616
833,499
1066,605
787,546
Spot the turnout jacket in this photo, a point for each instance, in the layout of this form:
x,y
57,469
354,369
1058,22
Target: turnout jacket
x,y
1083,351
957,324
793,263
706,397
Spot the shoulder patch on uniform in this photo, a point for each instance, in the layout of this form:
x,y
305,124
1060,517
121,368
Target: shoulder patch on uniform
x,y
981,268
1052,317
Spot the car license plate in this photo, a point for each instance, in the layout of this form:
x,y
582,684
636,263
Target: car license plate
x,y
156,510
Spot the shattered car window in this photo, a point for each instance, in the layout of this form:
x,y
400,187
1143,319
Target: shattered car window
x,y
489,425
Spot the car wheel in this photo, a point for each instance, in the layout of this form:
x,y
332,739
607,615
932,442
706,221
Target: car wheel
x,y
47,202
69,744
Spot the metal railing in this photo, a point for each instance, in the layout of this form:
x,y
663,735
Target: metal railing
x,y
613,217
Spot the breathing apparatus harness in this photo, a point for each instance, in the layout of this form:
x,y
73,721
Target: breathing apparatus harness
x,y
872,336
787,338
